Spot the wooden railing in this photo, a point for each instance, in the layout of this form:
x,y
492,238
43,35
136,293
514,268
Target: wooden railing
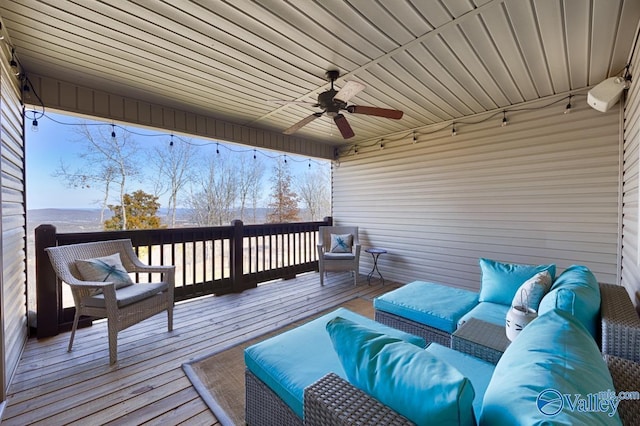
x,y
212,260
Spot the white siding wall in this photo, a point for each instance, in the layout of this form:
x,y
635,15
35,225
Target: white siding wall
x,y
543,189
13,225
631,218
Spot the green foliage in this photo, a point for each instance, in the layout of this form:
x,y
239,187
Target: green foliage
x,y
140,210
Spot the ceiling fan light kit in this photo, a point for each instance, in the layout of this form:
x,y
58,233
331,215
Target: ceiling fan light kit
x,y
334,101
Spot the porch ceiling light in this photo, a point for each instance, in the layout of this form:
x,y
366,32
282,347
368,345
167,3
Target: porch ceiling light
x,y
13,63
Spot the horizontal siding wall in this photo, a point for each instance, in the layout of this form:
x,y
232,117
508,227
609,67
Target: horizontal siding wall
x,y
13,229
542,189
631,218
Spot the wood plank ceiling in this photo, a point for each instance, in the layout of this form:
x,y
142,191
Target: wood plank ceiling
x,y
437,60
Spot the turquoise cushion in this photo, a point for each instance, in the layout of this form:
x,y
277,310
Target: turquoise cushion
x,y
494,313
402,376
500,281
478,372
545,373
438,306
291,361
576,291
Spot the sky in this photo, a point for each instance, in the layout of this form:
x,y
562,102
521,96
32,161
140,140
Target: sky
x,y
56,141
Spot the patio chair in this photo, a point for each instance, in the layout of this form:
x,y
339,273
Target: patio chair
x,y
338,250
113,295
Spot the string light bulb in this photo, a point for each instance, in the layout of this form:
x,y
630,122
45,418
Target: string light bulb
x,y
381,145
254,154
453,129
113,131
504,119
34,124
309,162
567,110
217,148
415,138
171,141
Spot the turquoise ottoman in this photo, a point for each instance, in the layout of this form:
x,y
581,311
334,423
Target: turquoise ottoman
x,y
280,368
428,310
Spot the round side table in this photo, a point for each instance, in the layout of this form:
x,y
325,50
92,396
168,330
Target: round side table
x,y
375,253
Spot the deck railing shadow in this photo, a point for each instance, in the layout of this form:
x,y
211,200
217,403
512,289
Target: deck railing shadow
x,y
208,260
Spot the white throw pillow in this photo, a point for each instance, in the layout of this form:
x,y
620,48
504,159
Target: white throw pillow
x,y
532,291
105,269
341,243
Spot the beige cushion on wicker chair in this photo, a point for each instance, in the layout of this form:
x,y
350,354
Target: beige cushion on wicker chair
x,y
127,295
103,296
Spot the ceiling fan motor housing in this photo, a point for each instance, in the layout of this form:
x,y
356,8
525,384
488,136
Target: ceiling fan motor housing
x,y
327,102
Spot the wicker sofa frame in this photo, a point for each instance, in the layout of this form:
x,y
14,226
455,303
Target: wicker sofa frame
x,y
333,400
620,323
429,334
626,376
63,259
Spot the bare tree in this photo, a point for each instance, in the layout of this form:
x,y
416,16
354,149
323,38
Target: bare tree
x,y
174,169
212,198
250,173
313,187
106,161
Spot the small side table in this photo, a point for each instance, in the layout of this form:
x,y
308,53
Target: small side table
x,y
481,339
375,253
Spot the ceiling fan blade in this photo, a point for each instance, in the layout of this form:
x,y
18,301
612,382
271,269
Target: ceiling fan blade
x,y
349,90
378,112
283,102
343,126
302,123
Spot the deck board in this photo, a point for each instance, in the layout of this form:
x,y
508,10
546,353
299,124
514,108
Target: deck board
x,y
148,386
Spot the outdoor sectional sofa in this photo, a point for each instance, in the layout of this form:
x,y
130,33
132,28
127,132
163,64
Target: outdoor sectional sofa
x,y
343,368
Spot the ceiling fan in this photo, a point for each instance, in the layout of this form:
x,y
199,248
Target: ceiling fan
x,y
333,101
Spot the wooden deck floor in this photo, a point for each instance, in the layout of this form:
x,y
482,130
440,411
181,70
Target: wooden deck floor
x,y
148,386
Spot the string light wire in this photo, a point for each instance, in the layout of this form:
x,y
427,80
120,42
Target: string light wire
x,y
454,125
174,138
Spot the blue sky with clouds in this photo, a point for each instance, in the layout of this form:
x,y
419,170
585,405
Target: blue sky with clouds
x,y
53,142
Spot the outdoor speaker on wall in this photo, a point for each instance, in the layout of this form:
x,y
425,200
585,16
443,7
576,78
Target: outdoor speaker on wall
x,y
605,95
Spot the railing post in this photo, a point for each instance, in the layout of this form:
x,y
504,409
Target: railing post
x,y
237,254
48,298
328,221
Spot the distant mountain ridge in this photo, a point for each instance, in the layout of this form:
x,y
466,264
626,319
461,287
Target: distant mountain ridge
x,y
88,219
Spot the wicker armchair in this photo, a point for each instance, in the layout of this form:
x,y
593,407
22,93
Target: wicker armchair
x,y
122,307
335,262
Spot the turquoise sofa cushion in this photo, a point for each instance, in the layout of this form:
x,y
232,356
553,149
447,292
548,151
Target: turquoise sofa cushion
x,y
291,361
478,372
494,313
402,376
551,374
576,291
500,281
438,306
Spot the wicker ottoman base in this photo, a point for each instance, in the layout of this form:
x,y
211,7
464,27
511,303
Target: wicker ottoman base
x,y
264,407
429,334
